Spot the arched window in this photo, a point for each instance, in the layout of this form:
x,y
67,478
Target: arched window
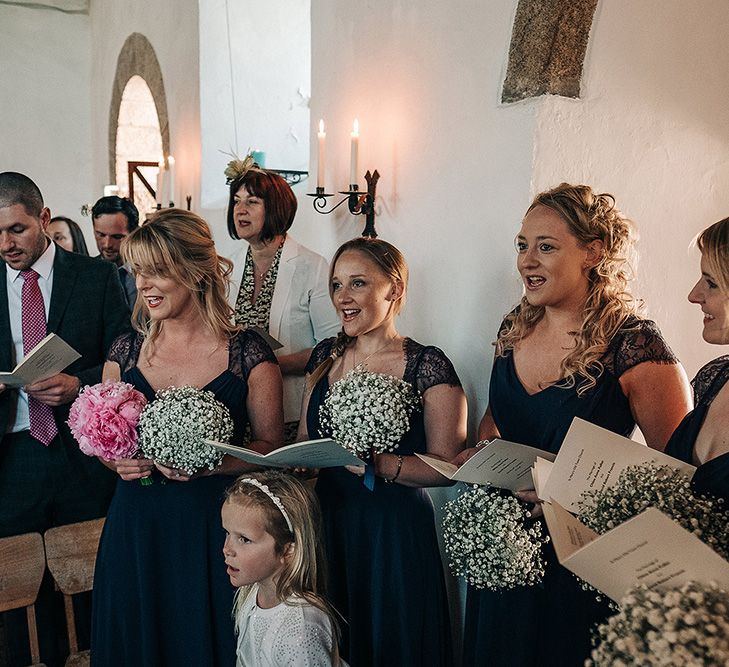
x,y
138,127
138,143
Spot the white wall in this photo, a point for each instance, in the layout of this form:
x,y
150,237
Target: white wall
x,y
424,80
267,73
652,128
171,26
45,65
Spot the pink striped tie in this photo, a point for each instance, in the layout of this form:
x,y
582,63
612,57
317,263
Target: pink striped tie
x,y
42,423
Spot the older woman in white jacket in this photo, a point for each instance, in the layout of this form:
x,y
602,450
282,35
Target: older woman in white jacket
x,y
278,285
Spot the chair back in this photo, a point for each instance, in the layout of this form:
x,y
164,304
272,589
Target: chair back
x,y
22,564
71,554
71,557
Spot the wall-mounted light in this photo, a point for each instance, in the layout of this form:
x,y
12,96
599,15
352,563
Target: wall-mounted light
x,y
358,202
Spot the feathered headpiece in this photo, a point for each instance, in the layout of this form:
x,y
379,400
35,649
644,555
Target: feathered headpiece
x,y
238,168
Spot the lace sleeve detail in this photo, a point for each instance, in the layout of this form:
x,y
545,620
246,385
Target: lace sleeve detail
x,y
636,342
710,379
304,638
427,366
125,350
319,354
248,350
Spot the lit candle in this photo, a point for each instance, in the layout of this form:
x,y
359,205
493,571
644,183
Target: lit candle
x,y
161,183
322,152
354,155
171,163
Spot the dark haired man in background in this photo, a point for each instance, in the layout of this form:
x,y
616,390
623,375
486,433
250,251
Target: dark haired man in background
x,y
114,218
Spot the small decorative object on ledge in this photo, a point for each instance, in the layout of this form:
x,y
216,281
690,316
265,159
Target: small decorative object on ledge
x,y
358,202
237,168
291,176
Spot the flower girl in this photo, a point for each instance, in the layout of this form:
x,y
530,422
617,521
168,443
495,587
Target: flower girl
x,y
273,553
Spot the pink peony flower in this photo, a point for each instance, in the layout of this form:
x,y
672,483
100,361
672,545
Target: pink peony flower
x,y
104,418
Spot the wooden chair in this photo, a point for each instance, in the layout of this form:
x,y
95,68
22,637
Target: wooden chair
x,y
71,557
22,564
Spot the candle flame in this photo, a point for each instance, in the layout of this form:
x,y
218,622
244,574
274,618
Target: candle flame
x,y
321,126
355,128
170,160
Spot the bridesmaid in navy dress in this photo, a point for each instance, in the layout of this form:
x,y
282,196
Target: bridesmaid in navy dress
x,y
701,438
161,595
574,347
385,571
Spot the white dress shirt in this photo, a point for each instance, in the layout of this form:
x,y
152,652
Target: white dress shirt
x,y
44,268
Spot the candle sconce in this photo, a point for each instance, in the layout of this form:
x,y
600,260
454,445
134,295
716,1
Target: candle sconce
x,y
358,202
291,176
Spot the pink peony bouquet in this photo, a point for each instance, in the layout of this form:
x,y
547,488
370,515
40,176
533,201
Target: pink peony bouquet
x,y
104,418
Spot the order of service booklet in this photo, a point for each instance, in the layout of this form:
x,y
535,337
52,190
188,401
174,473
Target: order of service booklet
x,y
324,453
500,463
649,549
591,458
45,360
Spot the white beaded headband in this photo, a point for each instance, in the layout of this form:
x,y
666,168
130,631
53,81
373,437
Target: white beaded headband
x,y
274,498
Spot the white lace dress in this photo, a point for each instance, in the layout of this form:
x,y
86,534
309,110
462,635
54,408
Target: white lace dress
x,y
291,634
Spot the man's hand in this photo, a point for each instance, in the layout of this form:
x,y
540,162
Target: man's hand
x,y
2,388
57,390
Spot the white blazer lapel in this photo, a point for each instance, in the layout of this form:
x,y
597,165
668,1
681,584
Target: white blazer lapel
x,y
239,264
282,291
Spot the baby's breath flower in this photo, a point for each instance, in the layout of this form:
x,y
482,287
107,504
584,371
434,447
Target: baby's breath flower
x,y
649,485
487,540
641,633
173,429
368,412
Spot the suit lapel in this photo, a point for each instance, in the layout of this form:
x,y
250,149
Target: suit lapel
x,y
64,280
284,281
6,342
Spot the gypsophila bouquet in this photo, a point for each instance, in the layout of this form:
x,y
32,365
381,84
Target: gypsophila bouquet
x,y
368,412
488,542
687,626
649,485
173,429
103,419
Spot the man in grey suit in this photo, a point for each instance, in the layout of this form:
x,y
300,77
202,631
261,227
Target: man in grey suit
x,y
44,479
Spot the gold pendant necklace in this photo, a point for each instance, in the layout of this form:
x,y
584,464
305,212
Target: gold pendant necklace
x,y
369,356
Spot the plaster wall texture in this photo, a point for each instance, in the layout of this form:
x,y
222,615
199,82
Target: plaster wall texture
x,y
45,70
260,60
652,128
424,82
171,26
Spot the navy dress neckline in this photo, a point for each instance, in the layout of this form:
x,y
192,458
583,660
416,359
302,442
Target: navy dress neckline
x,y
161,592
550,624
711,477
385,572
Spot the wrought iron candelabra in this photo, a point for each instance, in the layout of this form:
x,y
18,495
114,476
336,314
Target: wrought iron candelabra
x,y
358,201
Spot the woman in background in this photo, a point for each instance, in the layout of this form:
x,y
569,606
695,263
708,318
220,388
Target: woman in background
x,y
65,233
574,347
701,438
278,285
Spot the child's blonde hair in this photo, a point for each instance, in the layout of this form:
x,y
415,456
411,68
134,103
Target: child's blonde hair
x,y
295,526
